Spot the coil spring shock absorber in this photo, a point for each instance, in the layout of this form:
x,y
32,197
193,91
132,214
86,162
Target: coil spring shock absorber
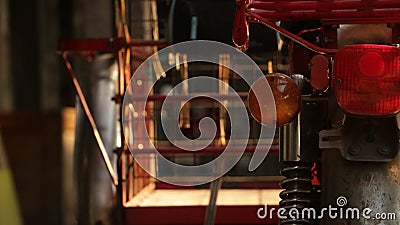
x,y
297,193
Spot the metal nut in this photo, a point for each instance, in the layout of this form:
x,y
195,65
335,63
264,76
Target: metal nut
x,y
384,150
354,150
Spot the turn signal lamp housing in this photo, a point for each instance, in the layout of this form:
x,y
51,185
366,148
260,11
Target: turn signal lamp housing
x,y
287,98
366,79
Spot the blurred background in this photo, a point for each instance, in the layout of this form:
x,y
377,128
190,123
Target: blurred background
x,y
37,116
33,94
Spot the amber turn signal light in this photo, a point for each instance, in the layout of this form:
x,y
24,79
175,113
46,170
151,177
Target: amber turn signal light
x,y
287,98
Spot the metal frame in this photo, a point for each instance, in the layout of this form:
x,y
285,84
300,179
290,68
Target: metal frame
x,y
122,46
125,49
329,12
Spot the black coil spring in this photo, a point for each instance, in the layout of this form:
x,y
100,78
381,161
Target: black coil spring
x,y
297,193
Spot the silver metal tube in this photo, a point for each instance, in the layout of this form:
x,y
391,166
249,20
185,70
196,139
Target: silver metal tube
x,y
289,141
94,191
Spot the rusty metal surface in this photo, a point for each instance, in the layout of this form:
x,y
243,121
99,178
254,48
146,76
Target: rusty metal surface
x,y
364,184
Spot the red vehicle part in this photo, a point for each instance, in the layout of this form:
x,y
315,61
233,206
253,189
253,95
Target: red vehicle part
x,y
362,78
342,10
319,67
329,12
366,80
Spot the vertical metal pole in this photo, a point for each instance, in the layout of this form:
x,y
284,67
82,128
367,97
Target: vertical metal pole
x,y
95,193
223,75
289,141
211,210
193,28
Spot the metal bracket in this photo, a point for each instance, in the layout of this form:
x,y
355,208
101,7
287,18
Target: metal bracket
x,y
330,139
364,139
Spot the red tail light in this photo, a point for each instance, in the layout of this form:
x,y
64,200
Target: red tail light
x,y
366,79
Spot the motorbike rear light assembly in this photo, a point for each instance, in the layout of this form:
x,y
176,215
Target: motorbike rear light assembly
x,y
366,79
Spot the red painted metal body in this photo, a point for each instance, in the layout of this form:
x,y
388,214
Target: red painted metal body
x,y
342,11
329,12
